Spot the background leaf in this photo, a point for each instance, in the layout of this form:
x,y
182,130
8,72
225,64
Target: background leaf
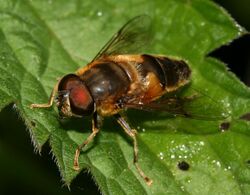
x,y
44,40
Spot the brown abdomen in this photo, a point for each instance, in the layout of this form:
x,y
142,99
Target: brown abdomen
x,y
163,75
171,73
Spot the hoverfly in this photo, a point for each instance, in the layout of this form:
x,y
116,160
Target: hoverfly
x,y
119,78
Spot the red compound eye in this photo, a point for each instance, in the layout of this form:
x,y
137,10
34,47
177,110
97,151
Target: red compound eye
x,y
81,102
80,97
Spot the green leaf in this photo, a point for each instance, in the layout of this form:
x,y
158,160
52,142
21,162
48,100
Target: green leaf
x,y
41,41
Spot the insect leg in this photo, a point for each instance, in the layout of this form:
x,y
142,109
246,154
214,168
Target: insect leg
x,y
96,123
51,99
132,134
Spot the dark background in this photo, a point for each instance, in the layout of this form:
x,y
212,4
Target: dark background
x,y
24,171
237,54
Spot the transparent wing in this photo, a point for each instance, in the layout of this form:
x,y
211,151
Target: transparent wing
x,y
198,106
131,38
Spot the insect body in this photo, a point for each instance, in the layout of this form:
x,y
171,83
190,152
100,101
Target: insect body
x,y
116,80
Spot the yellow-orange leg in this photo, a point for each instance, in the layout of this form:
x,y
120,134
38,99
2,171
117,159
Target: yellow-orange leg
x,y
50,102
132,134
95,129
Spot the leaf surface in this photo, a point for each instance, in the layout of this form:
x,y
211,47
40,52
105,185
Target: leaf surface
x,y
43,40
